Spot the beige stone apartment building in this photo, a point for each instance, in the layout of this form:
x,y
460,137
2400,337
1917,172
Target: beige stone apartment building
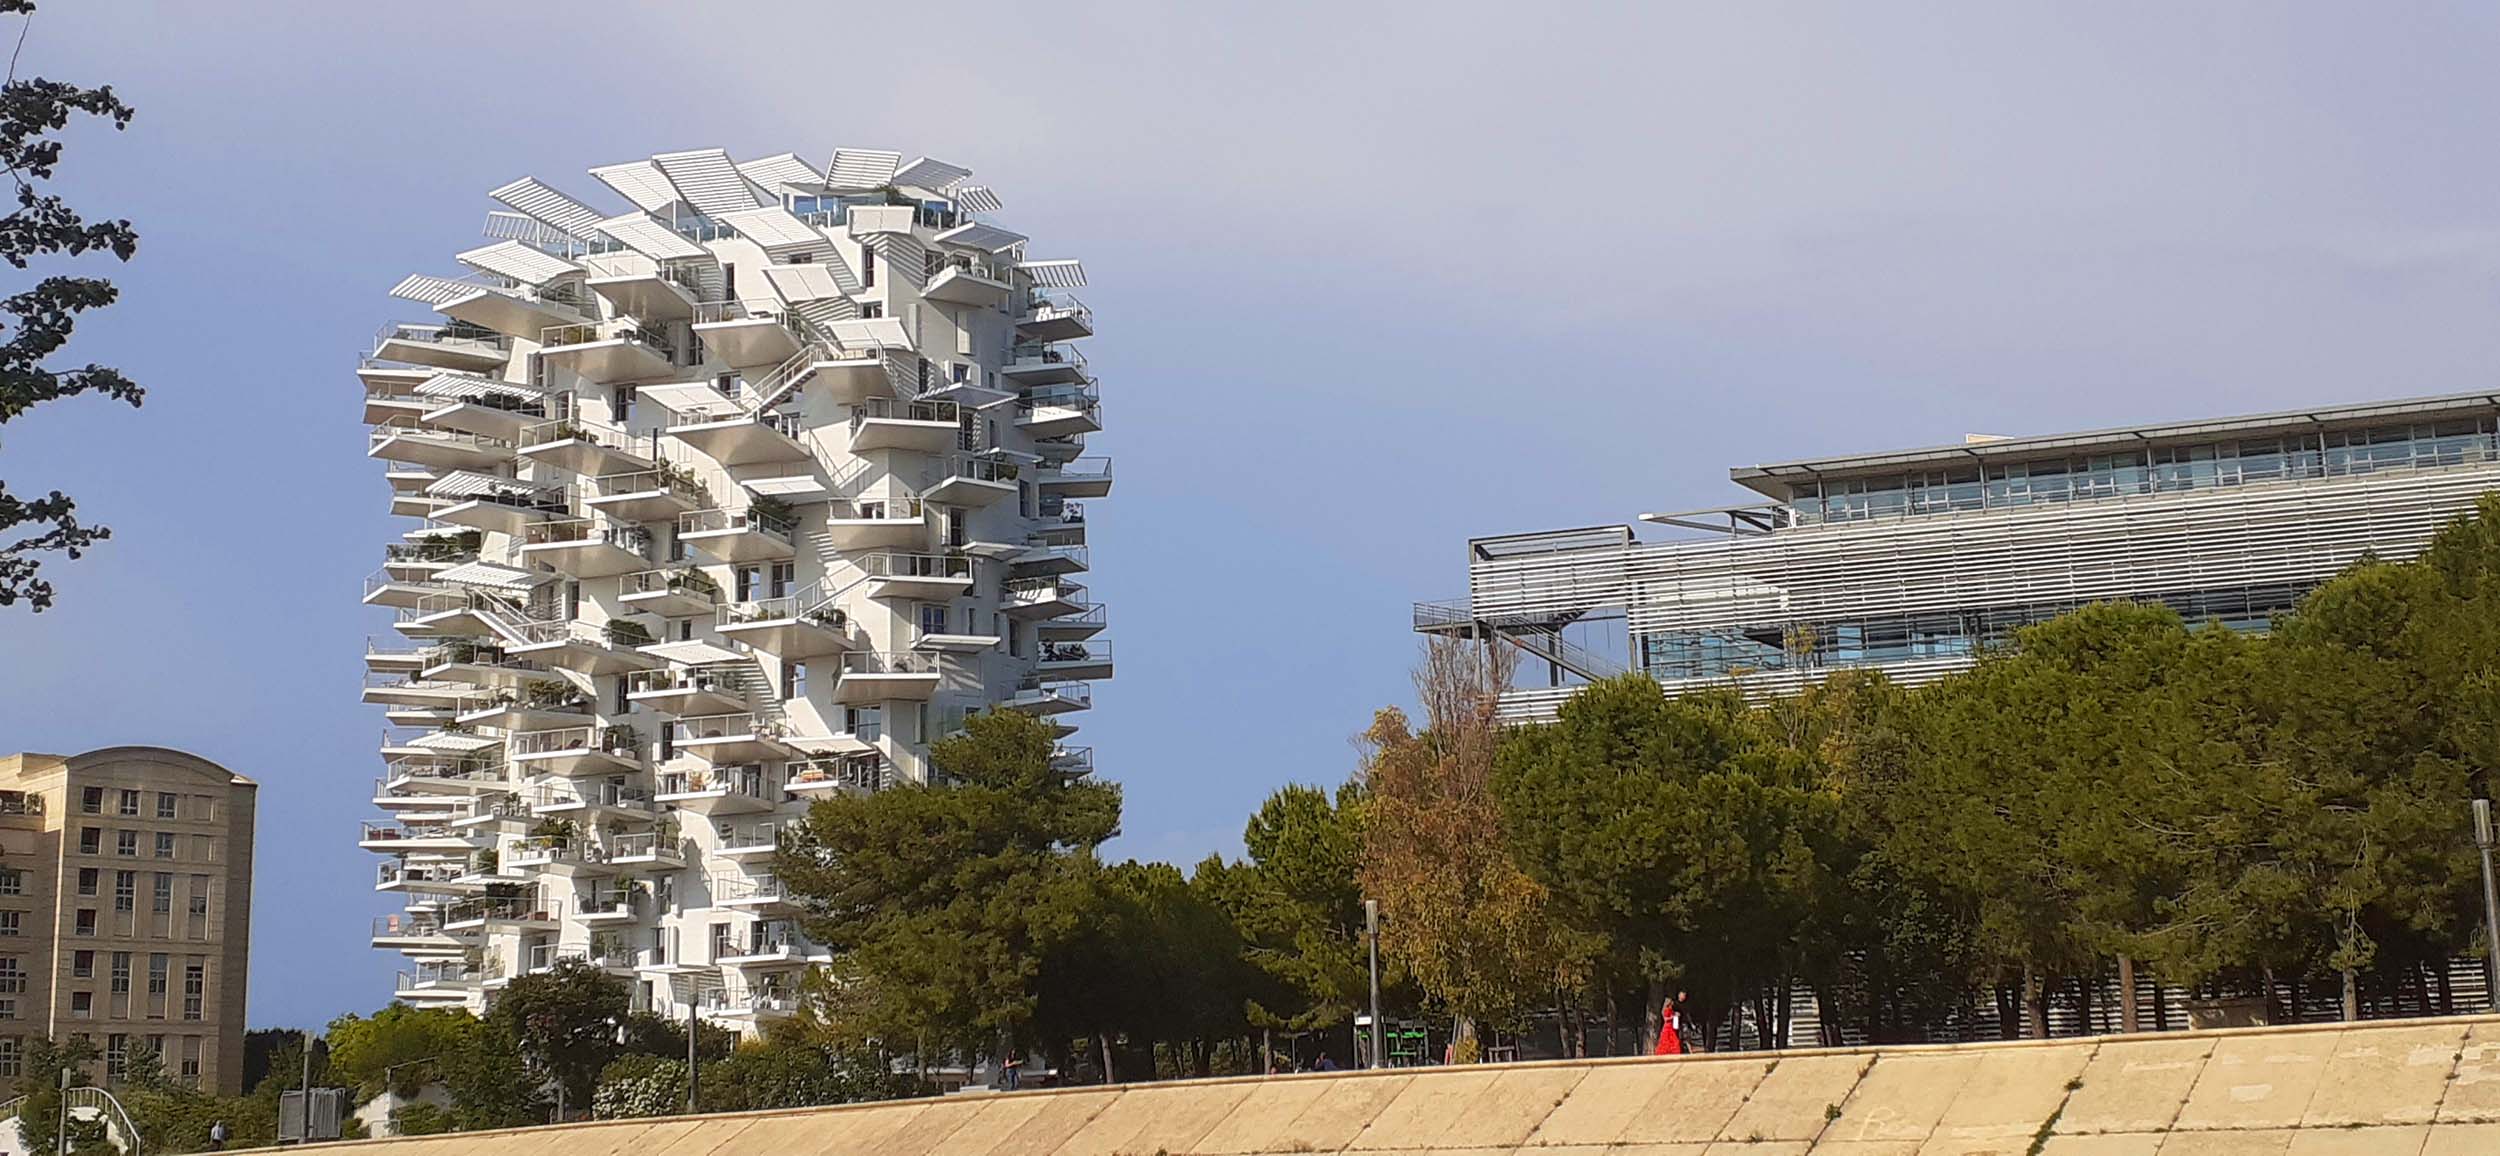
x,y
126,908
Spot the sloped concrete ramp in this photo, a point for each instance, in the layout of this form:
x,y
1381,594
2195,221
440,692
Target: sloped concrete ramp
x,y
2401,1088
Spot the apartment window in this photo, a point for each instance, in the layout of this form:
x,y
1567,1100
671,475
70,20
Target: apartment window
x,y
125,891
12,1053
624,405
793,680
12,881
164,844
199,895
89,879
1015,641
121,973
91,840
745,579
932,618
869,310
207,808
82,965
865,723
12,923
12,974
924,374
573,599
191,1058
204,848
623,704
194,988
164,893
867,270
160,968
126,844
116,1056
166,804
82,1003
784,575
130,803
668,743
86,921
91,800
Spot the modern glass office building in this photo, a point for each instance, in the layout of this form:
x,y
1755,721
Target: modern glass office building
x,y
1910,561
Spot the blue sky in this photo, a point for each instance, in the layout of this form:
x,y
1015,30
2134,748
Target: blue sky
x,y
1371,279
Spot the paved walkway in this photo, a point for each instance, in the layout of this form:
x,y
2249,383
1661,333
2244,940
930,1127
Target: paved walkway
x,y
2390,1088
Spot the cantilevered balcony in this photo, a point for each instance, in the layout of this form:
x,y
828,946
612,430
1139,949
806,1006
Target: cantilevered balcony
x,y
405,440
748,535
1074,762
503,911
410,840
1081,478
969,480
583,447
415,934
730,436
710,689
503,505
1042,364
612,903
863,523
477,405
924,577
747,842
1074,661
539,704
661,849
1060,523
648,496
423,558
716,791
725,739
1044,561
402,660
405,877
391,391
1073,627
570,856
382,588
602,801
460,347
1042,598
1055,317
1059,411
437,983
582,750
451,778
667,291
608,648
747,333
393,690
631,353
592,547
854,774
482,664
790,627
762,893
1044,701
871,676
520,311
673,592
963,282
884,423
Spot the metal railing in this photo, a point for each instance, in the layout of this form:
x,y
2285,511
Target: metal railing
x,y
1027,591
404,832
739,725
718,678
733,838
591,795
1078,761
644,844
406,926
402,771
1091,651
438,975
727,782
445,550
863,772
810,604
719,521
1079,470
1082,556
1095,615
1074,695
615,739
474,337
536,850
889,662
893,409
1056,306
670,580
731,888
979,469
621,902
507,907
587,531
651,482
891,564
875,510
404,426
1030,354
643,335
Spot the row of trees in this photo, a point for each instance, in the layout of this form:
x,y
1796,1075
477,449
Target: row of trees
x,y
2116,791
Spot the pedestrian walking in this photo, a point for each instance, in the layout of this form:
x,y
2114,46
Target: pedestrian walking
x,y
1670,1027
217,1136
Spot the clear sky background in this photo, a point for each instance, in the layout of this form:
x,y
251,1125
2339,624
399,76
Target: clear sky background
x,y
1371,279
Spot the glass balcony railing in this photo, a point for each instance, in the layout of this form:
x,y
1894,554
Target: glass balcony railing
x,y
685,580
871,662
720,521
888,564
620,740
892,409
862,772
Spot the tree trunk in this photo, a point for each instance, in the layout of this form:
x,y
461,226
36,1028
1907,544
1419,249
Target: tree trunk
x,y
1110,1074
1267,1053
2447,994
2035,1006
2129,1017
2352,996
1609,1045
1650,1012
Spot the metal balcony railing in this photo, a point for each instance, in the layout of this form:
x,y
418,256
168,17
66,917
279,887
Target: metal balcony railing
x,y
1079,470
644,844
890,564
974,467
1090,651
717,521
592,795
406,926
875,510
718,678
1074,695
624,535
671,482
729,782
893,409
408,427
616,739
809,604
889,662
511,907
1080,555
1057,306
672,580
556,336
864,772
1027,591
484,341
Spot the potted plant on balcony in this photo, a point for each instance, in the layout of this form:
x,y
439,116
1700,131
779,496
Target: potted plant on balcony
x,y
766,507
555,833
486,862
628,633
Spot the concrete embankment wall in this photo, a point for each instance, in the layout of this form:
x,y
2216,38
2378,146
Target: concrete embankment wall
x,y
2403,1088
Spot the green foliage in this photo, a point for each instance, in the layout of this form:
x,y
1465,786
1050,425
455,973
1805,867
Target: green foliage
x,y
639,1085
565,1023
43,315
410,1044
39,1115
941,904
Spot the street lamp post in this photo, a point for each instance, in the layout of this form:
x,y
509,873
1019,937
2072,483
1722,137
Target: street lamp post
x,y
1371,932
2491,905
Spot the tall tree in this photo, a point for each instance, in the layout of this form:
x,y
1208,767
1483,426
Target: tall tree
x,y
1474,931
44,224
942,903
1299,908
566,1022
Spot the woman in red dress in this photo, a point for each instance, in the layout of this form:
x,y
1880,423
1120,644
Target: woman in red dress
x,y
1670,1030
